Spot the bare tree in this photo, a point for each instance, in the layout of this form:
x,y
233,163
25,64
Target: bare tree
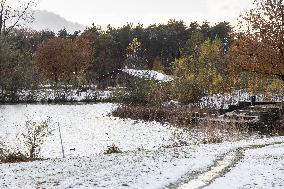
x,y
15,13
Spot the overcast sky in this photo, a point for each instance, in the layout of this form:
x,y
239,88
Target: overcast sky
x,y
118,12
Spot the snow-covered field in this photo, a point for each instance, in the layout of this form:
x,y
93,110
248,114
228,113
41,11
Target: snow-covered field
x,y
88,129
250,163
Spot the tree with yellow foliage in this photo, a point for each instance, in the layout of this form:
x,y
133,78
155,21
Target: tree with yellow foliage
x,y
196,76
134,54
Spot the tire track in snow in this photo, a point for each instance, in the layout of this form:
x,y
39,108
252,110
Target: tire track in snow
x,y
221,167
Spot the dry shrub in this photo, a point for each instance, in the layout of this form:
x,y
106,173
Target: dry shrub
x,y
170,114
10,156
113,149
32,138
278,127
217,132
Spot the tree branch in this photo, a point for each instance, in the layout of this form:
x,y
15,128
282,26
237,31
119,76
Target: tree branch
x,y
280,76
19,18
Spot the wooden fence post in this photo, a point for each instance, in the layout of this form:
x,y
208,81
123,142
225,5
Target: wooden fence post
x,y
62,147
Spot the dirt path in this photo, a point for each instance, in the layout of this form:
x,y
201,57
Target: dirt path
x,y
220,168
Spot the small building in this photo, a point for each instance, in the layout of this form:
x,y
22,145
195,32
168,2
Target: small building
x,y
122,77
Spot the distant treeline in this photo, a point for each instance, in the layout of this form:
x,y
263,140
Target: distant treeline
x,y
115,47
203,58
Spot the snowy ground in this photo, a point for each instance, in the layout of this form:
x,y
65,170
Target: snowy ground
x,y
259,168
224,100
75,95
88,129
251,163
161,168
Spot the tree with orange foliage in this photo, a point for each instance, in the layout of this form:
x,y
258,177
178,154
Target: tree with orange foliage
x,y
259,48
62,60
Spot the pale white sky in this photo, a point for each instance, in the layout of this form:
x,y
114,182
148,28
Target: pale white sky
x,y
118,12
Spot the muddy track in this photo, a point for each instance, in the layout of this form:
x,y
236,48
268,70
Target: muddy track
x,y
221,166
